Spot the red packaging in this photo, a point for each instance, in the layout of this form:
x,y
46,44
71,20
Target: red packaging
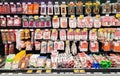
x,y
17,21
31,21
13,8
6,8
94,47
11,48
6,49
25,21
3,21
10,21
19,8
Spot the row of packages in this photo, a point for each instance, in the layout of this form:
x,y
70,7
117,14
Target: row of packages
x,y
81,60
33,8
60,22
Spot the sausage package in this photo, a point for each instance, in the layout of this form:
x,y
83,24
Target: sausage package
x,y
63,8
89,22
79,8
77,34
93,35
50,47
46,34
97,21
43,8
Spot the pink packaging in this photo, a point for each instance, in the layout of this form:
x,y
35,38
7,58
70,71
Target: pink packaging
x,y
54,35
3,21
13,8
70,34
17,21
46,34
62,34
10,21
89,22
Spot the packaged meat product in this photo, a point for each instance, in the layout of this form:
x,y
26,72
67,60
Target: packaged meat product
x,y
56,8
77,34
50,8
37,45
43,8
9,21
46,34
79,8
28,45
33,60
54,34
29,8
93,35
1,4
41,61
35,8
83,46
48,64
106,46
25,21
8,36
97,21
72,22
96,7
56,45
61,45
55,22
3,21
100,34
106,7
13,8
81,21
88,7
67,48
114,7
22,44
37,21
50,47
48,21
74,48
63,8
116,45
63,22
38,34
84,34
24,7
54,60
62,34
43,47
6,8
42,21
4,36
27,33
6,49
11,48
19,8
117,34
94,46
13,35
89,22
71,8
22,34
70,34
17,21
31,21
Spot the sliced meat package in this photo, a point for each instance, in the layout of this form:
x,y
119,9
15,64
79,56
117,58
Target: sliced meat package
x,y
77,34
46,34
72,22
81,22
55,22
89,21
94,46
62,34
70,34
54,34
83,46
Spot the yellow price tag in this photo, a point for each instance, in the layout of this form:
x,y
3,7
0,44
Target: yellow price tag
x,y
81,16
48,71
55,17
76,71
82,71
72,16
29,71
38,71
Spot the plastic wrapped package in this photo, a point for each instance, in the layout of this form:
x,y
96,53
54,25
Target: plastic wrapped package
x,y
54,60
77,63
50,8
6,8
22,34
25,21
50,47
1,5
42,21
105,21
28,45
19,8
77,34
33,60
4,36
22,44
117,34
116,46
27,33
43,8
79,8
67,48
114,7
72,22
94,46
81,22
112,21
89,21
37,21
70,34
46,34
3,21
11,49
30,8
37,45
48,63
83,46
96,7
35,8
13,8
63,22
84,34
48,21
61,45
43,47
74,48
55,22
41,61
10,21
56,45
31,21
63,8
17,21
56,8
63,34
6,49
54,34
97,21
24,7
106,46
71,8
93,35
88,7
117,23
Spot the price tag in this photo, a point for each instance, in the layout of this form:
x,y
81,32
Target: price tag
x,y
29,71
82,71
38,71
76,71
48,71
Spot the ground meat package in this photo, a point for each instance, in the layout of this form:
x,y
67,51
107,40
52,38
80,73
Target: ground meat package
x,y
72,22
62,34
55,22
81,21
54,34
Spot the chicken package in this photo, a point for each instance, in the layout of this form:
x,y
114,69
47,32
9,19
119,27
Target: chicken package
x,y
41,60
48,63
56,8
43,8
77,34
106,46
74,48
63,8
63,22
2,21
25,21
50,47
42,21
46,34
31,21
71,8
84,34
70,34
55,22
29,45
50,8
37,45
48,21
24,7
83,46
17,21
10,20
43,47
79,8
33,60
72,22
116,46
88,7
94,46
93,35
89,22
105,20
67,48
54,34
56,45
96,7
97,21
62,34
61,45
81,21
